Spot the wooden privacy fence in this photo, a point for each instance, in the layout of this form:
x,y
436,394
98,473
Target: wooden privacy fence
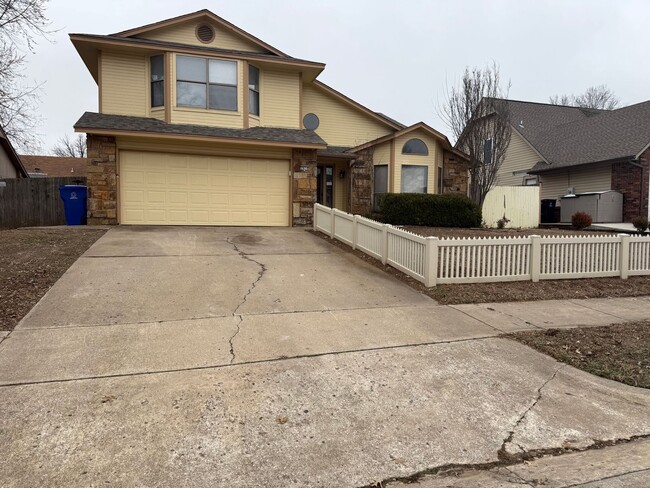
x,y
474,260
33,201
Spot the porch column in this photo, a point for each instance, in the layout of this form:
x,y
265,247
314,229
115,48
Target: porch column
x,y
303,164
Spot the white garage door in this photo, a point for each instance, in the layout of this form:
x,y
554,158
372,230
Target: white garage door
x,y
183,189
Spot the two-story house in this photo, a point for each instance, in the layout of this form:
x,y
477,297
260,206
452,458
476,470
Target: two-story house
x,y
201,123
572,150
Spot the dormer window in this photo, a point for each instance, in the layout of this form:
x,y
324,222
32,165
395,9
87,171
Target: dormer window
x,y
253,90
206,83
157,80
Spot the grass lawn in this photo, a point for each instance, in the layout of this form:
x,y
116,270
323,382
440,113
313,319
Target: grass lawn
x,y
618,352
31,261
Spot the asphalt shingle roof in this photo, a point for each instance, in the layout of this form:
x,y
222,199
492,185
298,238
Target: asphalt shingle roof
x,y
54,166
91,120
572,136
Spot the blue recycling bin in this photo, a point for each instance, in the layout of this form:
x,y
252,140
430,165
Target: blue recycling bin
x,y
74,202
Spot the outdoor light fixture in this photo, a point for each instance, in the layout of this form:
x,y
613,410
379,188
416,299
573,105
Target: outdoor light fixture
x,y
304,168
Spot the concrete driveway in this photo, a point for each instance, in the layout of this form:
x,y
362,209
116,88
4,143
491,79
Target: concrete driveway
x,y
266,357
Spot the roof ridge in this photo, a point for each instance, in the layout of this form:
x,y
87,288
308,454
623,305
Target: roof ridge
x,y
550,104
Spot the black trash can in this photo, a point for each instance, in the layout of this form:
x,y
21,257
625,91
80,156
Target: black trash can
x,y
548,211
74,202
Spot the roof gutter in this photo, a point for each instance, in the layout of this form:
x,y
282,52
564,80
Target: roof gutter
x,y
171,135
626,159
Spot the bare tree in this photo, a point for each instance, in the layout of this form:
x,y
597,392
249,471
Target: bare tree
x,y
22,22
69,147
599,97
478,116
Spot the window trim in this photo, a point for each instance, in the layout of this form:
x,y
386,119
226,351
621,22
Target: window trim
x,y
259,86
387,166
208,84
416,153
152,82
426,177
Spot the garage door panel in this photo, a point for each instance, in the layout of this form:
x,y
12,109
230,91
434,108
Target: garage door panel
x,y
179,189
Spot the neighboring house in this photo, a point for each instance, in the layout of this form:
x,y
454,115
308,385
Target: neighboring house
x,y
10,165
202,123
54,166
573,150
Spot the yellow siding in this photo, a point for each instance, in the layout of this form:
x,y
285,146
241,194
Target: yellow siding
x,y
280,99
157,114
124,84
186,34
340,123
381,153
341,185
431,161
218,118
581,179
253,121
200,147
519,157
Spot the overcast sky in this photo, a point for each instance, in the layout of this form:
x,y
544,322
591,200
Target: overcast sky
x,y
396,57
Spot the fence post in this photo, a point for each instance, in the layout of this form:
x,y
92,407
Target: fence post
x,y
431,261
535,258
315,217
625,256
355,232
333,222
384,243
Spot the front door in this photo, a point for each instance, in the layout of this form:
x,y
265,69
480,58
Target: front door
x,y
325,185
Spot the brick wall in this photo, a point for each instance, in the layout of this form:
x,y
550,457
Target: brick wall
x,y
632,181
304,185
102,180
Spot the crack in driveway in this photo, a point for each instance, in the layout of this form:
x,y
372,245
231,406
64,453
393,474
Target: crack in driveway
x,y
503,453
235,313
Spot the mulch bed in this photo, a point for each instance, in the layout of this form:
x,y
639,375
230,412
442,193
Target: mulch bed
x,y
31,261
618,352
515,291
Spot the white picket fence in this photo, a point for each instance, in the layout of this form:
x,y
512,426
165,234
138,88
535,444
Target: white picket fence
x,y
474,260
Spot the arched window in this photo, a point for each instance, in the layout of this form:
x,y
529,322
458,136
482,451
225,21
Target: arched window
x,y
415,146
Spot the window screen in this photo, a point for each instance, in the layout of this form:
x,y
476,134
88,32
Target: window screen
x,y
253,90
204,83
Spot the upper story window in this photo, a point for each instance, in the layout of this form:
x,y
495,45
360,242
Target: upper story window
x,y
157,80
253,90
415,146
206,83
488,151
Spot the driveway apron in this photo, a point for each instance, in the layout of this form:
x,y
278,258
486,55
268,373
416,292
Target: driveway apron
x,y
267,357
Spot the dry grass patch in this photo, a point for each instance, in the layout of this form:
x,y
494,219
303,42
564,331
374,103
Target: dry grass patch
x,y
618,352
31,261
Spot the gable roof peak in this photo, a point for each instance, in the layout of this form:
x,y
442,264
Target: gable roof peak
x,y
203,13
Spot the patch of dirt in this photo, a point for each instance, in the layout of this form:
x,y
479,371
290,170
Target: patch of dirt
x,y
31,261
514,291
618,352
448,232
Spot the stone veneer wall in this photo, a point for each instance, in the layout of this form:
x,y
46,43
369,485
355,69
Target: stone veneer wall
x,y
455,174
303,191
102,180
632,182
362,174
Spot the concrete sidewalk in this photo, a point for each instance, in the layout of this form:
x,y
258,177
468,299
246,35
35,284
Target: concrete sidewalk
x,y
265,357
623,465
